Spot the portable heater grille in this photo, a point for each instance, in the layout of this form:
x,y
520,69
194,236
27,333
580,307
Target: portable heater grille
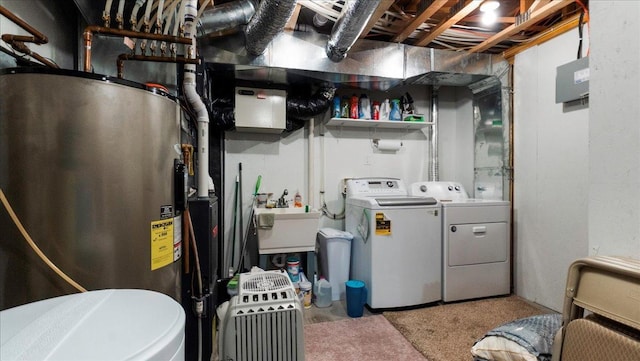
x,y
264,322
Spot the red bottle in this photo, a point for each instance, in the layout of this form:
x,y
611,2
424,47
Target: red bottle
x,y
354,107
376,110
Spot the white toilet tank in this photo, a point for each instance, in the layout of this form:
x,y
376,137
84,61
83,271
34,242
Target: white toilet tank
x,y
120,324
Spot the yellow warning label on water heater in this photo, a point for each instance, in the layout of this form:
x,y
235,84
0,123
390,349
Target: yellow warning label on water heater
x,y
161,243
383,225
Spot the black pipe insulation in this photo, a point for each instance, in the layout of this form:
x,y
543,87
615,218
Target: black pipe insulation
x,y
299,109
307,107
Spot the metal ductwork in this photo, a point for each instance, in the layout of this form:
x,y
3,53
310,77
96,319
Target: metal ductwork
x,y
227,17
371,64
354,18
268,21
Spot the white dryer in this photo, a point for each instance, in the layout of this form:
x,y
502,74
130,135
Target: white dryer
x,y
475,242
396,248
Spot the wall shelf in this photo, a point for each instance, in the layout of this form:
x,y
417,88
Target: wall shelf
x,y
370,123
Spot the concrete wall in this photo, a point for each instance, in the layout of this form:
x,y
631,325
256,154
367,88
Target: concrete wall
x,y
551,174
614,134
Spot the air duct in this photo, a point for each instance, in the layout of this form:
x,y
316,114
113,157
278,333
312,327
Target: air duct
x,y
267,23
355,16
228,16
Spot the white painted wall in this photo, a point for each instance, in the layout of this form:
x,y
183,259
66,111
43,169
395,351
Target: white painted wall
x,y
456,136
551,174
614,134
48,20
344,152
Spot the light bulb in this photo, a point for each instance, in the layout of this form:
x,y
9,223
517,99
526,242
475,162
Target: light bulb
x,y
489,18
489,6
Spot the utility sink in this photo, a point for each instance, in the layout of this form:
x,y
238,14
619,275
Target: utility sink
x,y
286,230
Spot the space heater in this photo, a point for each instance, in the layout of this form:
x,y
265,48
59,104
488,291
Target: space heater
x,y
264,321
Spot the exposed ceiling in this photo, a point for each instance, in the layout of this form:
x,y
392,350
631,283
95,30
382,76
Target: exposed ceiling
x,y
453,24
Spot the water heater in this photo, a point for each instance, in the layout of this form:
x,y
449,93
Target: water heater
x,y
87,163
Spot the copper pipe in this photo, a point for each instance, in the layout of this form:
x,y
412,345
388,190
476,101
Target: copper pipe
x,y
40,38
157,59
15,42
90,30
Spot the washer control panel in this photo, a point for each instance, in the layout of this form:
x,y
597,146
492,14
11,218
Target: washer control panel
x,y
374,187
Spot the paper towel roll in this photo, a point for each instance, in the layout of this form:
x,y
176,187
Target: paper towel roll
x,y
383,144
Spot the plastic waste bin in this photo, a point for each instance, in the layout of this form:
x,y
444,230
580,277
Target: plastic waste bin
x,y
335,256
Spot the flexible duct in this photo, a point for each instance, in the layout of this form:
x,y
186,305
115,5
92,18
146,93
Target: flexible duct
x,y
304,108
268,21
354,18
227,16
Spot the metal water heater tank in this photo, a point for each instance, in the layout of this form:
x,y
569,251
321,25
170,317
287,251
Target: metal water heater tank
x,y
87,163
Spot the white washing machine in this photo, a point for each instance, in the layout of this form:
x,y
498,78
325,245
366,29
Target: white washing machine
x,y
475,242
396,248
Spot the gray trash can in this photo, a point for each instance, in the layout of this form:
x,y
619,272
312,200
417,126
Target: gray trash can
x,y
335,259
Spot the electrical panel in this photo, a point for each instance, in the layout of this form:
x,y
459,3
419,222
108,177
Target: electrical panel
x,y
260,110
572,81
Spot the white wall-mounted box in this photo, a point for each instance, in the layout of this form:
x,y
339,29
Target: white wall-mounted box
x,y
260,110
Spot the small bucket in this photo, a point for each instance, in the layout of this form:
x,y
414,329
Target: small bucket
x,y
305,291
293,269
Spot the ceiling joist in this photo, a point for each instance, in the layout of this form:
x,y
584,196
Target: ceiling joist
x,y
465,7
382,8
419,19
532,18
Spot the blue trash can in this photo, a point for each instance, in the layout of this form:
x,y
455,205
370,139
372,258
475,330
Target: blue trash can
x,y
356,297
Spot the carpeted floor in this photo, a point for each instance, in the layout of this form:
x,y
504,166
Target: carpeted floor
x,y
370,338
447,332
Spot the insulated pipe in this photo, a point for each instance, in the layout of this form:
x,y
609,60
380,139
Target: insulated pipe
x,y
134,13
189,85
222,18
268,21
106,14
433,167
120,15
347,29
90,30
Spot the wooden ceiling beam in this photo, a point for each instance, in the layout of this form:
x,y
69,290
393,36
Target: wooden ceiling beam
x,y
293,20
527,21
466,7
382,8
418,20
551,33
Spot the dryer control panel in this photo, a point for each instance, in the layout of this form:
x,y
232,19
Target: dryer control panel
x,y
442,191
375,187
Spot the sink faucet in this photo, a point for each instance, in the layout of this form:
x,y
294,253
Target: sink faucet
x,y
282,203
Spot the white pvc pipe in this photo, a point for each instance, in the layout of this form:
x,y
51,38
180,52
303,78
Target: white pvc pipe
x,y
120,15
159,16
134,13
311,166
189,85
147,14
107,8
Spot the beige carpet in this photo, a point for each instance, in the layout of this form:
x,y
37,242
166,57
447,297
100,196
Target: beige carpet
x,y
370,338
447,332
